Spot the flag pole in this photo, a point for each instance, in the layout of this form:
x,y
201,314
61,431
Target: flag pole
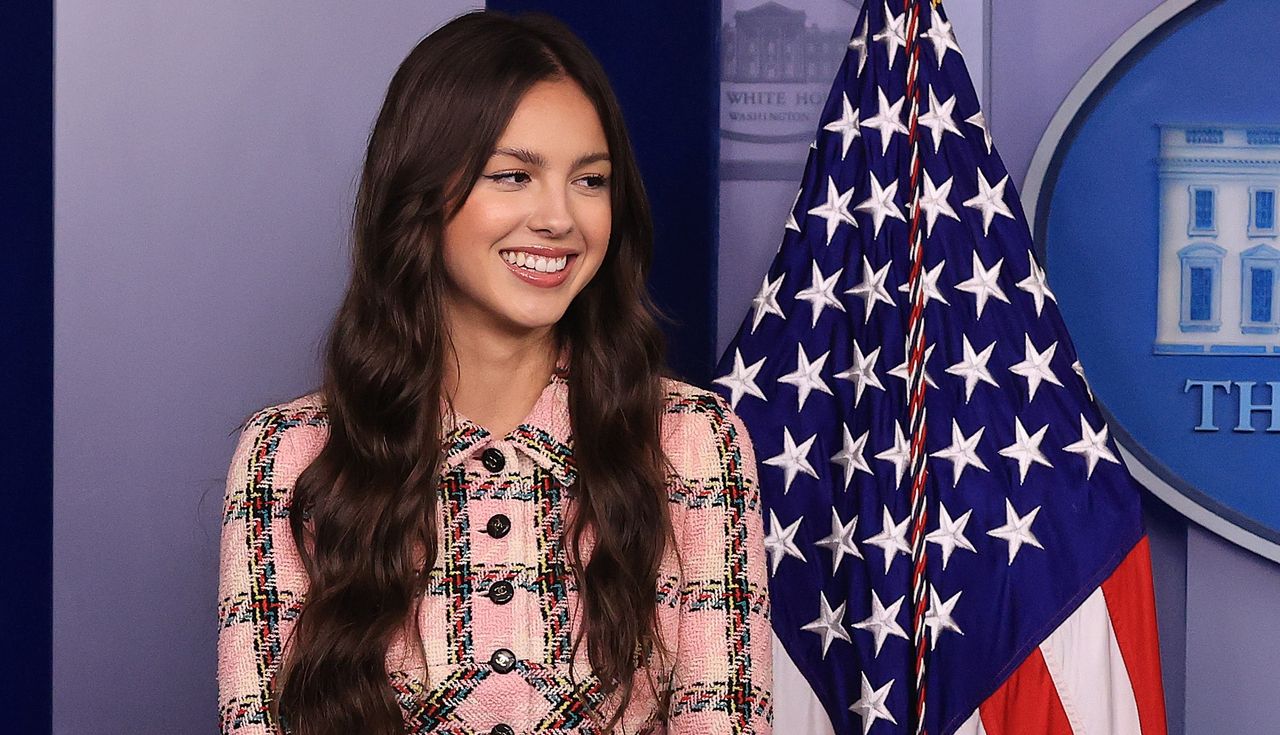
x,y
916,384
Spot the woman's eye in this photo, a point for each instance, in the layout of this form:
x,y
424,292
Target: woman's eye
x,y
595,181
509,177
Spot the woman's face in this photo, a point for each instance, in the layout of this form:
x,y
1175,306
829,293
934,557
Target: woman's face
x,y
535,228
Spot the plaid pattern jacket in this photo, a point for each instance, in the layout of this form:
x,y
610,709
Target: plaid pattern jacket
x,y
500,611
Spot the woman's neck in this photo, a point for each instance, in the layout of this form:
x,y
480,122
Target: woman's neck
x,y
494,380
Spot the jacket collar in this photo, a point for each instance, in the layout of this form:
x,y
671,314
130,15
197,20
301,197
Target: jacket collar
x,y
545,435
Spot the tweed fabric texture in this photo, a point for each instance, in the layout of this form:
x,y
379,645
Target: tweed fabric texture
x,y
713,602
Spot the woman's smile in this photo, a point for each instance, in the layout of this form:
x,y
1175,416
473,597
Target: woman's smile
x,y
540,266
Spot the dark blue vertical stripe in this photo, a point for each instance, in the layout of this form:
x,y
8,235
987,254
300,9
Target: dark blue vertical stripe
x,y
26,362
663,60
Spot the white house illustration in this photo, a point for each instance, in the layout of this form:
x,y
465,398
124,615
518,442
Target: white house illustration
x,y
1219,255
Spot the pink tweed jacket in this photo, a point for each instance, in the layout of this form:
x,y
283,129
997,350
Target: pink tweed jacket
x,y
500,611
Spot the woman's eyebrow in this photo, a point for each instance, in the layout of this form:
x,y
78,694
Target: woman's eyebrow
x,y
527,156
532,158
590,158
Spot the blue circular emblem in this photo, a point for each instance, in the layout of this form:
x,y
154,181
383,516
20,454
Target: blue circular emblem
x,y
1158,217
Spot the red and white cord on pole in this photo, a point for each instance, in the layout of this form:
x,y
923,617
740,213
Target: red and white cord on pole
x,y
916,384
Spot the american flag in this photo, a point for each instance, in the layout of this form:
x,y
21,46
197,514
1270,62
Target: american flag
x,y
1032,610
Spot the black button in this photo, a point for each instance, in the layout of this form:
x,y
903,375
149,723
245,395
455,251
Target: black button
x,y
502,728
498,526
501,592
493,460
502,660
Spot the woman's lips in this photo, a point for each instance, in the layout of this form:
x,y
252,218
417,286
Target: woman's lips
x,y
539,278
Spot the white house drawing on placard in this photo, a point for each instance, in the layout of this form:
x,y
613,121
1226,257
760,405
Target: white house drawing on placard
x,y
1219,289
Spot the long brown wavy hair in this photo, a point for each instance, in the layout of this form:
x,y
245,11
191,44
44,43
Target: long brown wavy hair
x,y
363,512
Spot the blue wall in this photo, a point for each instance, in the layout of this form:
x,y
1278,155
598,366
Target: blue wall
x,y
26,360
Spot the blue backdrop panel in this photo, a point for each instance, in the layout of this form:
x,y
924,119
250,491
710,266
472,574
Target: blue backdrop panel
x,y
26,361
663,60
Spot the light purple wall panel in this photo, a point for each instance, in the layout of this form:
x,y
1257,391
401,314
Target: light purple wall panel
x,y
206,155
1232,632
1039,50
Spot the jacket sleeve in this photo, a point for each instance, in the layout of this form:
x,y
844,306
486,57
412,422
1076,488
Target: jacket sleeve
x,y
723,677
261,579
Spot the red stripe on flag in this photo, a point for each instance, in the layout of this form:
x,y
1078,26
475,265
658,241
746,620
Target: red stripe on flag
x,y
1026,703
1132,607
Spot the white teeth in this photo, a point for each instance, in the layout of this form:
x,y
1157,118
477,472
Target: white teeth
x,y
537,263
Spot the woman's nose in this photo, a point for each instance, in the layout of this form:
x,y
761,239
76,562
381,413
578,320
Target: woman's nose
x,y
551,215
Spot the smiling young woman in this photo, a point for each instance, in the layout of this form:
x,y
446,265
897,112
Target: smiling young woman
x,y
496,515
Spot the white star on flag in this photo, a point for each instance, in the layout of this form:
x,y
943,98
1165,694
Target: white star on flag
x,y
791,223
990,201
858,44
938,618
942,37
871,705
980,122
963,452
883,621
793,459
973,368
934,202
929,284
1092,446
835,210
949,535
766,301
742,381
807,376
894,34
1078,369
892,539
881,205
938,119
862,372
888,120
1025,449
984,283
899,454
850,456
821,293
846,125
840,541
1035,367
872,289
1016,530
1036,284
829,625
781,542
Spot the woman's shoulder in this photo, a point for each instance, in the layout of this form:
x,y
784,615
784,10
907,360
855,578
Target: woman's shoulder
x,y
307,408
304,412
683,398
700,432
287,436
